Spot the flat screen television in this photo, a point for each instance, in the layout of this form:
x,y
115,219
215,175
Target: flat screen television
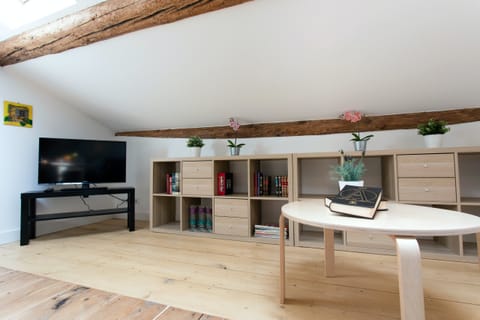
x,y
72,161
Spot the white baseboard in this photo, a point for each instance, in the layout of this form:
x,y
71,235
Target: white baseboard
x,y
9,236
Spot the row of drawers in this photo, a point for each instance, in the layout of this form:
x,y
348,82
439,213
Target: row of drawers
x,y
426,178
231,217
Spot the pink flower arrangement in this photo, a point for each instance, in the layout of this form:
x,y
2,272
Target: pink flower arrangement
x,y
235,125
354,117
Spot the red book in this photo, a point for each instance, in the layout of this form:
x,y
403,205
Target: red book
x,y
224,183
221,183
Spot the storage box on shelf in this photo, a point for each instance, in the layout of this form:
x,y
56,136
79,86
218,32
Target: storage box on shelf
x,y
234,214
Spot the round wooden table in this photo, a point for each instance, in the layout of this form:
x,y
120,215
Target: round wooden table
x,y
403,222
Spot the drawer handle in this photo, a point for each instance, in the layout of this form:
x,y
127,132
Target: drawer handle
x,y
427,190
425,165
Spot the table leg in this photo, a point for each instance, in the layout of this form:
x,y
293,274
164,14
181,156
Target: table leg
x,y
410,279
329,241
282,259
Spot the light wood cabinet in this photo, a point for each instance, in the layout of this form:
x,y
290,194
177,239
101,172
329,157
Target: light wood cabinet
x,y
447,178
234,215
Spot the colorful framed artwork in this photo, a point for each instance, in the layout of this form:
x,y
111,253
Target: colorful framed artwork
x,y
17,114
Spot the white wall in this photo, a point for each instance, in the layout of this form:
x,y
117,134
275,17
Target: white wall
x,y
19,153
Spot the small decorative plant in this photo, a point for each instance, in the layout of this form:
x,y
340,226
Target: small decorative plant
x,y
354,117
350,169
235,125
195,141
433,127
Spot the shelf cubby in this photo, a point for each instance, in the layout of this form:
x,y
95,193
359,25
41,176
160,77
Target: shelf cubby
x,y
165,213
469,178
159,172
239,170
273,167
196,201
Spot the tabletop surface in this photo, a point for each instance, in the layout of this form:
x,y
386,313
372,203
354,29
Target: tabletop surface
x,y
400,219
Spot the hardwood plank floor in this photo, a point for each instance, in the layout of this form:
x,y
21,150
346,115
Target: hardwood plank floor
x,y
239,280
28,296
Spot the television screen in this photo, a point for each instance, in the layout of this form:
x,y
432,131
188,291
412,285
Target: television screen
x,y
81,161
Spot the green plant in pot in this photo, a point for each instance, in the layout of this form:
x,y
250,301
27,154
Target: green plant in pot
x,y
433,131
350,170
196,144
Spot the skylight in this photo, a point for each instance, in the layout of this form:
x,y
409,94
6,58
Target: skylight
x,y
16,13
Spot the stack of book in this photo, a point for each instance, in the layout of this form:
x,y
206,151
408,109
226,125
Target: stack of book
x,y
224,183
270,185
271,232
172,183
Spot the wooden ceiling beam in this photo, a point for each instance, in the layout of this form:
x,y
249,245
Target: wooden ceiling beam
x,y
316,127
100,22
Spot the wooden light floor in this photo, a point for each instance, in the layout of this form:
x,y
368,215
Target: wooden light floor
x,y
239,280
27,296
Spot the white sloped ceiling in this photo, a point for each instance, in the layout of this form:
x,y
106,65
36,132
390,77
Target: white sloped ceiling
x,y
274,60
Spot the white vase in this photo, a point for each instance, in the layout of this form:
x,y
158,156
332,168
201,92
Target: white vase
x,y
433,140
196,151
342,184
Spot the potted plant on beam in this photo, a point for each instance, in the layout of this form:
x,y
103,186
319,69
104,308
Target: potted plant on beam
x,y
195,143
432,132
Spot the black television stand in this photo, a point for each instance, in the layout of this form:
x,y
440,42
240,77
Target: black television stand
x,y
29,215
88,188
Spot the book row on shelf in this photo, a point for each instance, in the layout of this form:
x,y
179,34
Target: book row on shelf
x,y
224,183
172,183
271,232
200,218
265,185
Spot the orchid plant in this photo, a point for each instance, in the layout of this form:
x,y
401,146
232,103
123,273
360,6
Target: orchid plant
x,y
235,125
354,117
